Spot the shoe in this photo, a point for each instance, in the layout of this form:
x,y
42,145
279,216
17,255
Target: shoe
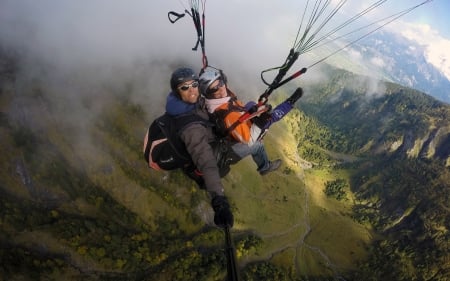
x,y
273,165
295,96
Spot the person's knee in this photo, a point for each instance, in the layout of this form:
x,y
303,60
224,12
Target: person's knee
x,y
258,146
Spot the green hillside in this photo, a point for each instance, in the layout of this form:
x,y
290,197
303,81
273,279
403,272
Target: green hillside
x,y
362,195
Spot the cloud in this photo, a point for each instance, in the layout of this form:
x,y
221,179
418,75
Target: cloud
x,y
354,54
436,46
438,55
135,40
103,37
77,33
378,62
76,48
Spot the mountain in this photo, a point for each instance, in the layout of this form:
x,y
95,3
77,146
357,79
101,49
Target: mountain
x,y
401,139
393,57
406,120
362,195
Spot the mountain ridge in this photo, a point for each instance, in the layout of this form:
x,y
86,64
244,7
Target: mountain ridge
x,y
418,115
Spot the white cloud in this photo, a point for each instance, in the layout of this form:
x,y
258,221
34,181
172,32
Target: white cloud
x,y
377,62
438,55
354,54
436,46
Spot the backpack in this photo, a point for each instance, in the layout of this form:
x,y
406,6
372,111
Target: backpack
x,y
163,148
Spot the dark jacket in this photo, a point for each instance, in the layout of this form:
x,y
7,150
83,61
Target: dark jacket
x,y
197,138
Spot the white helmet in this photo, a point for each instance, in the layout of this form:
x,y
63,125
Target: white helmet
x,y
207,78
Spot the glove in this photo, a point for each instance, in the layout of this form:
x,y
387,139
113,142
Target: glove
x,y
263,121
249,105
222,213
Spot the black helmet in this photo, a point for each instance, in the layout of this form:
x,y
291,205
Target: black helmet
x,y
181,75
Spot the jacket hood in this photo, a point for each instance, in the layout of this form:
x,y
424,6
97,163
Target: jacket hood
x,y
176,106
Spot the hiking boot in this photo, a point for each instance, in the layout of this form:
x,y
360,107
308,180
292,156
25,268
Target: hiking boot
x,y
295,96
273,165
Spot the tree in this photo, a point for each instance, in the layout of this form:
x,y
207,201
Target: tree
x,y
336,189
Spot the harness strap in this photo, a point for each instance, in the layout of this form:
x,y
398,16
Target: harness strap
x,y
232,107
276,83
200,28
176,15
199,24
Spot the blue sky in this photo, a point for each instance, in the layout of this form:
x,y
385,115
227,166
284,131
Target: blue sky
x,y
436,14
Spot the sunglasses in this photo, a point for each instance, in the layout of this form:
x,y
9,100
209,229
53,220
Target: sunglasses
x,y
214,89
186,87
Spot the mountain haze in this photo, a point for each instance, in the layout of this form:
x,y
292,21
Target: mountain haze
x,y
393,57
362,194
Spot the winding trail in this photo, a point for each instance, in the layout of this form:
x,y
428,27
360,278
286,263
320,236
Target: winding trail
x,y
302,223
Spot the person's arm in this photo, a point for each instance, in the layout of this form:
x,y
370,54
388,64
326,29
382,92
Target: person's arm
x,y
197,144
196,139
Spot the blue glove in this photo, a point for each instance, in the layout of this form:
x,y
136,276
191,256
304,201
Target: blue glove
x,y
249,105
